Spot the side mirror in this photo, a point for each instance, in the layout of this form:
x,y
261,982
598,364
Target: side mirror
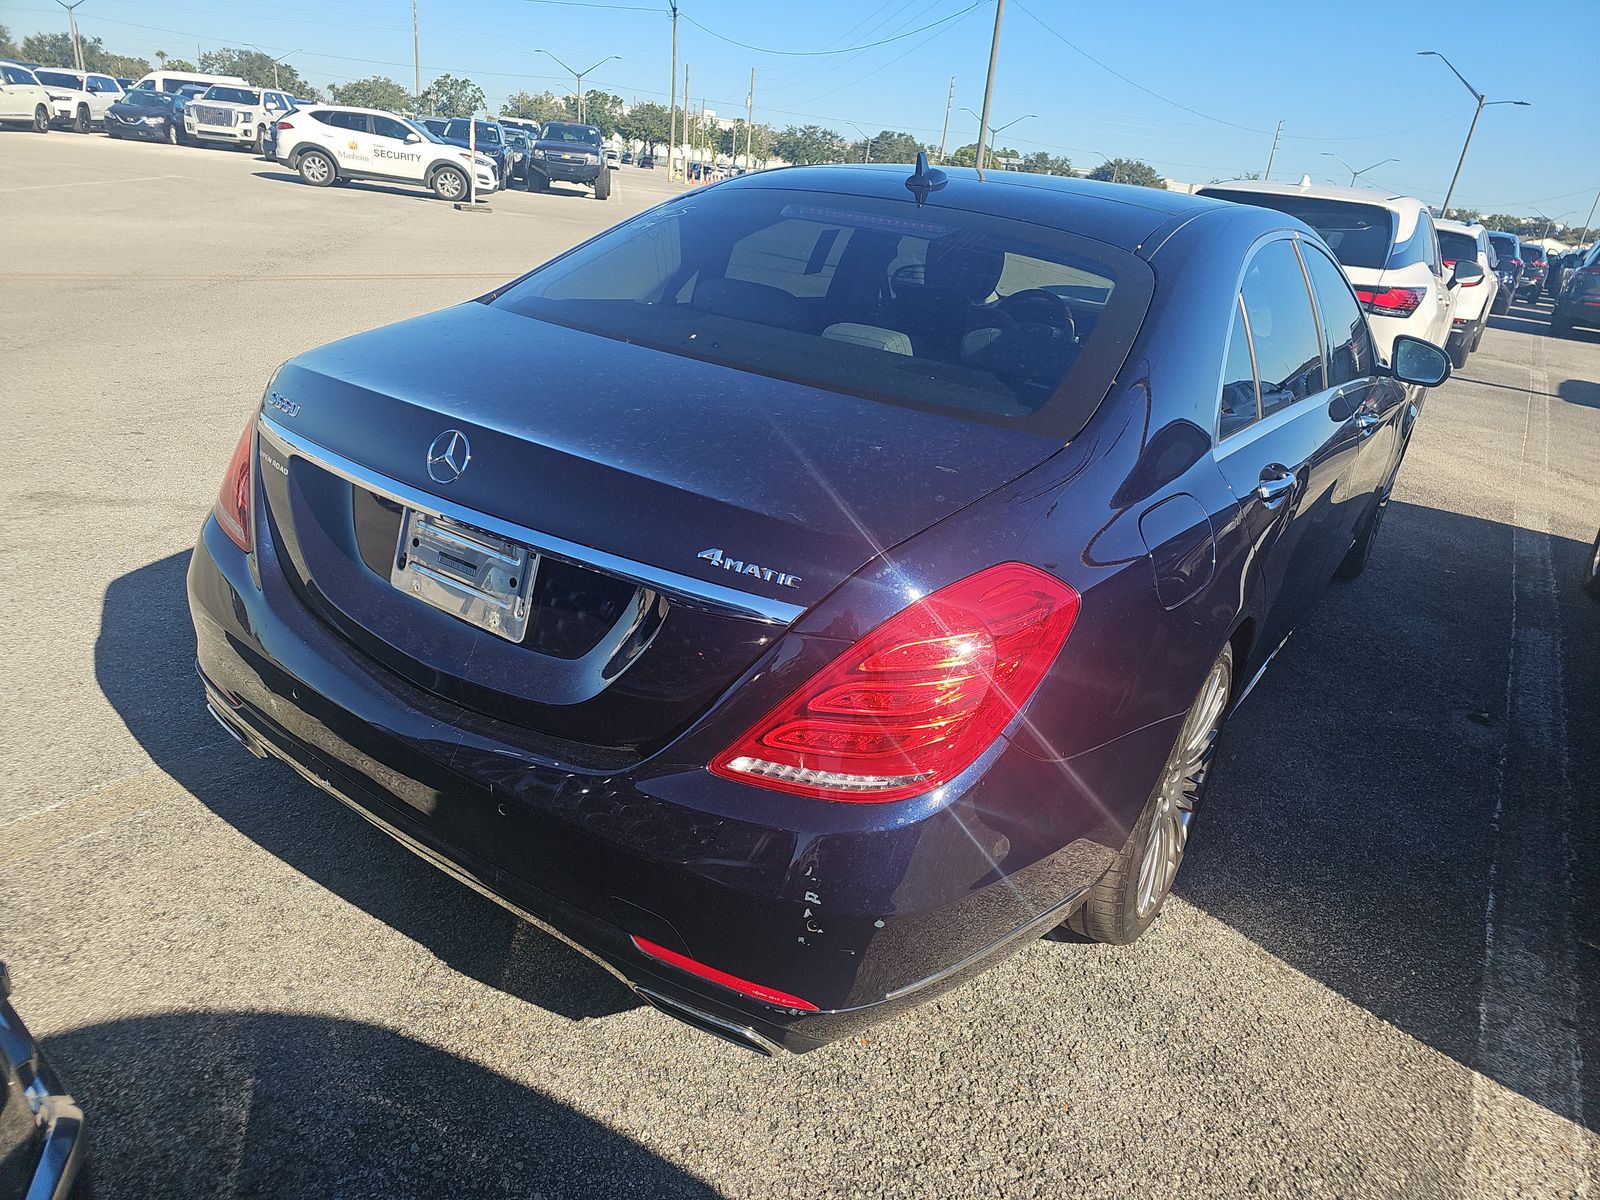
x,y
1466,272
1419,362
413,138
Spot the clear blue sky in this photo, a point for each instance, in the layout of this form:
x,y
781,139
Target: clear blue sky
x,y
1343,75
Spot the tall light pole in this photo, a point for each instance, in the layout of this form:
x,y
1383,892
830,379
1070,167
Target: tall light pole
x,y
1355,174
1108,161
416,59
580,74
77,46
993,133
672,131
1483,103
275,61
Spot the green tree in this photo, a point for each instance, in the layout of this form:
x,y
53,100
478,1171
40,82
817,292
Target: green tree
x,y
255,67
808,144
1042,162
1130,170
889,146
647,124
375,91
178,64
448,96
543,106
8,48
55,50
600,109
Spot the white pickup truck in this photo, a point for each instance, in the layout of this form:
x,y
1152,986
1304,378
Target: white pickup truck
x,y
236,115
79,101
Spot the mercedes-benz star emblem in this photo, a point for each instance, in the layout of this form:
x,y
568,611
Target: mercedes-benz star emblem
x,y
448,456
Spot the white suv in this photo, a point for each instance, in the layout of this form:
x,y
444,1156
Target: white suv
x,y
330,142
1386,244
79,100
237,116
23,99
1475,301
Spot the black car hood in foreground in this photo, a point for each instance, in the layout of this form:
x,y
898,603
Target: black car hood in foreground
x,y
645,454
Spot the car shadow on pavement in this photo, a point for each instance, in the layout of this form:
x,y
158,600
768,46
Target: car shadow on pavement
x,y
144,663
360,185
1523,318
288,1105
1349,827
1580,391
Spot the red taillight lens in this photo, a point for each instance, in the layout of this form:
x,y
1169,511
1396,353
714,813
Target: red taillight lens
x,y
915,702
721,978
285,125
232,509
1391,302
1515,262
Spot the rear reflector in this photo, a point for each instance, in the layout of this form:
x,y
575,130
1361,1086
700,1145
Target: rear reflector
x,y
232,509
1391,302
721,978
915,702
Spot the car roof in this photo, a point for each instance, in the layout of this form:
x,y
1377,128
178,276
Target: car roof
x,y
1116,213
1322,191
1444,226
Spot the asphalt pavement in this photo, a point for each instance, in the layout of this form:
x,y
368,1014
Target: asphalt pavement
x,y
1377,978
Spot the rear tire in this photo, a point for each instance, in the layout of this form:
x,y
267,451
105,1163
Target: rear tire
x,y
316,168
80,119
41,119
449,184
172,134
602,184
1591,583
537,182
1560,326
260,144
1477,337
1458,351
1128,897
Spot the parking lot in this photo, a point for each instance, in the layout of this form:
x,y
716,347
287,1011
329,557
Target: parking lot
x,y
1378,977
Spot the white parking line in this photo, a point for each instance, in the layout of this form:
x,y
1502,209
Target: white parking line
x,y
1527,1135
34,187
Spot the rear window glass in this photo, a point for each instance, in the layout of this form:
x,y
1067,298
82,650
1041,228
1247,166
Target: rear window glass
x,y
994,320
1360,235
1456,246
1532,253
1506,246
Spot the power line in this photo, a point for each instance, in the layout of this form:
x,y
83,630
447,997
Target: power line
x,y
847,50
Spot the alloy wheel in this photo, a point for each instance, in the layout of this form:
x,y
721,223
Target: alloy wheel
x,y
1180,790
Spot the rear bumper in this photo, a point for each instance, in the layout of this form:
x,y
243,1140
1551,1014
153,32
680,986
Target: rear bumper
x,y
57,1150
863,914
1581,309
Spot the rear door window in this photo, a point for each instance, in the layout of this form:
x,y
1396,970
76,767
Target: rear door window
x,y
1283,329
354,121
1241,405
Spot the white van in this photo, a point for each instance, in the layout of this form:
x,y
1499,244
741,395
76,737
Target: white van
x,y
171,81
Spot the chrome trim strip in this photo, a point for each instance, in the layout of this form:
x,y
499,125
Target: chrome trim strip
x,y
683,587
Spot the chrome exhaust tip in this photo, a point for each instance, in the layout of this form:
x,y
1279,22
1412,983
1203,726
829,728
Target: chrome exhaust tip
x,y
238,735
729,1031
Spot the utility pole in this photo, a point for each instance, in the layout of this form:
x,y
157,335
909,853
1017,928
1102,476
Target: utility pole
x,y
416,58
988,86
672,135
749,119
1589,220
1274,153
948,101
688,140
77,46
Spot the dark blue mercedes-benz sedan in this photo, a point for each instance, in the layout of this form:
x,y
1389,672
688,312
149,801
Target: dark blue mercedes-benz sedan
x,y
869,603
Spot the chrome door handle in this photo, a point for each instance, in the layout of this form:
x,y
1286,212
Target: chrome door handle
x,y
1367,424
1275,486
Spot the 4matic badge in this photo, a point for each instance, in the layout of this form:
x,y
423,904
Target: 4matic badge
x,y
740,567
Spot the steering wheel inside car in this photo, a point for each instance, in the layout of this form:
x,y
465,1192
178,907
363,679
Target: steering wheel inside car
x,y
1036,306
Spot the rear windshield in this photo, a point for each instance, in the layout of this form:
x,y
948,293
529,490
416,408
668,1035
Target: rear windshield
x,y
993,320
1532,253
1360,235
233,95
1506,246
1457,246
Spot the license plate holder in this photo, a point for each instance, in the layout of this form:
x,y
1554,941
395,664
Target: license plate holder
x,y
475,576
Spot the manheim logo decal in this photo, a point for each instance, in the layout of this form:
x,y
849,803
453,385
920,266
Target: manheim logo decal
x,y
739,567
448,456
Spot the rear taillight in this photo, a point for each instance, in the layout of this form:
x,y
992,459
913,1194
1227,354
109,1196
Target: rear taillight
x,y
1391,302
744,987
285,125
232,509
915,702
1515,262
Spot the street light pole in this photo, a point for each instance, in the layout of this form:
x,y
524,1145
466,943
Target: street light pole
x,y
580,74
77,45
1355,174
1483,103
275,61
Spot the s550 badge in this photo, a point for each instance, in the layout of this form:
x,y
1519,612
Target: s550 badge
x,y
288,407
739,567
